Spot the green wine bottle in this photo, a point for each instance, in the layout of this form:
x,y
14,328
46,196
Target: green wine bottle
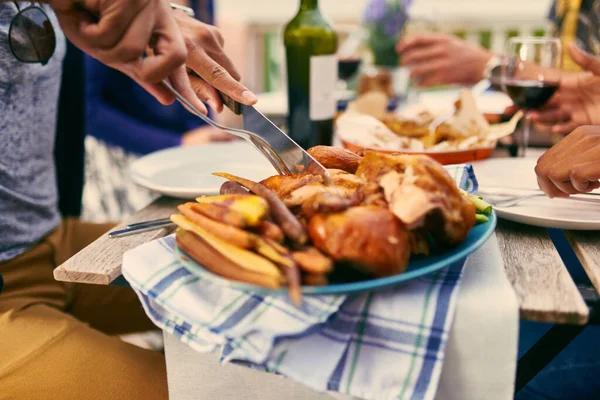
x,y
311,46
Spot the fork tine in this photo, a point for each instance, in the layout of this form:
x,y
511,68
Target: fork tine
x,y
251,137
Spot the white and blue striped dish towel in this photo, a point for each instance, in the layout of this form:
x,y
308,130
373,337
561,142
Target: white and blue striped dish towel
x,y
379,345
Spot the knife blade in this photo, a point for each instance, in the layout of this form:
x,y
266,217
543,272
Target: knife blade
x,y
295,158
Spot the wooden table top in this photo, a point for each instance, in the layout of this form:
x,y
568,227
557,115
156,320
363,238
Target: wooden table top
x,y
544,287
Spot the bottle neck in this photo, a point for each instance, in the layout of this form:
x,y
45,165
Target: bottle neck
x,y
309,5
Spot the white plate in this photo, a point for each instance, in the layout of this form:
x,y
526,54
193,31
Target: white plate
x,y
186,172
437,101
539,211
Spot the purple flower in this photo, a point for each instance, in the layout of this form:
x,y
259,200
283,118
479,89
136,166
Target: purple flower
x,y
375,11
388,16
394,23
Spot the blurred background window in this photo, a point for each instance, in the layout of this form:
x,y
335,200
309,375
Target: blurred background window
x,y
260,50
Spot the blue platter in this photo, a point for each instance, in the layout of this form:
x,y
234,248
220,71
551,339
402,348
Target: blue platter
x,y
417,268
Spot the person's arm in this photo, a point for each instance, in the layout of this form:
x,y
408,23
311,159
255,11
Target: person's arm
x,y
120,32
107,122
149,42
441,59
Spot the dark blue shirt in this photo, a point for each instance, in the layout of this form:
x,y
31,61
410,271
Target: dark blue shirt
x,y
121,113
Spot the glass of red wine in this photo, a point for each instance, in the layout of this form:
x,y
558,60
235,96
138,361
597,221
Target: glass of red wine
x,y
530,76
347,69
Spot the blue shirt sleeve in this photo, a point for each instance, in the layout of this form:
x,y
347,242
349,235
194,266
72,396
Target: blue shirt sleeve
x,y
108,121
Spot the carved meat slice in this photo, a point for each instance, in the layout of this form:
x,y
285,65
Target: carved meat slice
x,y
328,203
421,193
283,185
294,190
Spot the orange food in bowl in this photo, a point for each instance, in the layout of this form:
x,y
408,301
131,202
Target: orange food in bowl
x,y
443,157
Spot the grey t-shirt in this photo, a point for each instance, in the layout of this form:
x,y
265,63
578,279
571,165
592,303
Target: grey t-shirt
x,y
28,106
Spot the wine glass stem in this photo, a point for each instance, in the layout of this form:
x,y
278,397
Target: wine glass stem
x,y
412,95
525,138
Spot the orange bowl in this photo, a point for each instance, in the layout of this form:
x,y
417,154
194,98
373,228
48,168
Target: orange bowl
x,y
443,157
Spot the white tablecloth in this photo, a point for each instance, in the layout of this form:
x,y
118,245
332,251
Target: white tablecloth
x,y
480,358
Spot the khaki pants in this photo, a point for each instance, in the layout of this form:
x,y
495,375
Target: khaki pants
x,y
56,338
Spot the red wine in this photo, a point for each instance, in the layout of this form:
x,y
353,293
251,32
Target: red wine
x,y
530,95
348,67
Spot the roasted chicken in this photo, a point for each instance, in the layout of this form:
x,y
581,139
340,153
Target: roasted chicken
x,y
370,237
417,189
421,193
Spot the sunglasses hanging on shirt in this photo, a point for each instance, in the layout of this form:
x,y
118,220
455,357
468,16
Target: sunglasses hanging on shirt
x,y
31,36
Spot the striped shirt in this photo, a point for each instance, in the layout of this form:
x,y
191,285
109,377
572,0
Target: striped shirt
x,y
578,21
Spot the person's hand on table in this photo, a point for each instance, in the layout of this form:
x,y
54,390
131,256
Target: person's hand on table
x,y
577,101
440,59
573,165
205,135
